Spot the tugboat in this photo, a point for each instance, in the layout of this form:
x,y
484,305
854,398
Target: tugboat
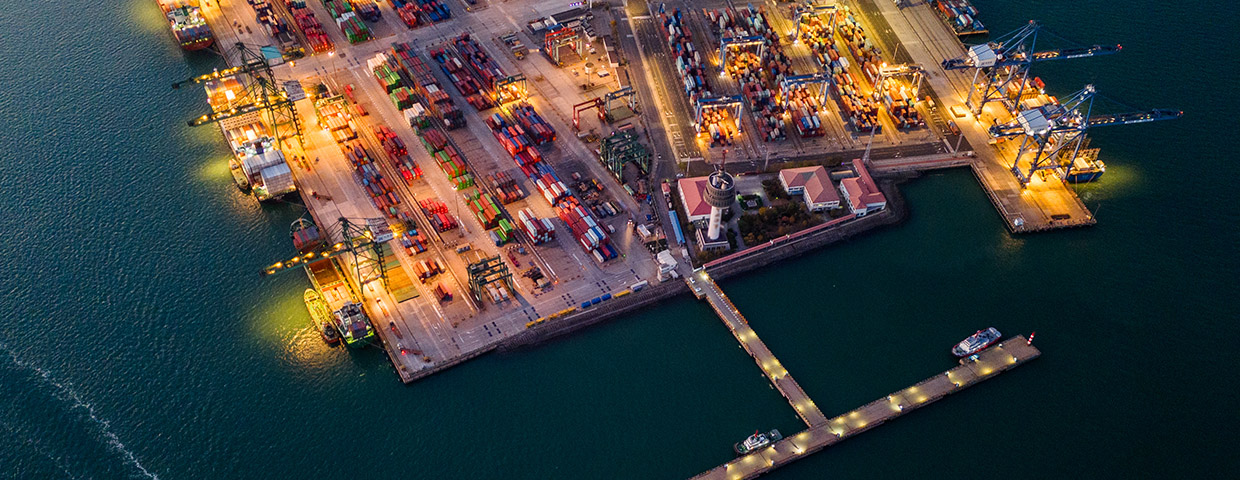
x,y
976,342
320,316
756,441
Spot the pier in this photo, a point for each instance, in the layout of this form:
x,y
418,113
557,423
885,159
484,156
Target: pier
x,y
824,432
706,289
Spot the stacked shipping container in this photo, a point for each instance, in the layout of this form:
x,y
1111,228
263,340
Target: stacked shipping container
x,y
505,187
469,86
348,21
446,156
860,109
415,13
688,60
961,15
398,154
757,76
536,129
585,229
437,213
539,230
310,26
415,73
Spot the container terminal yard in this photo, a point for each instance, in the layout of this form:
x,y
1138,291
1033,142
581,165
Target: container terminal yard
x,y
477,172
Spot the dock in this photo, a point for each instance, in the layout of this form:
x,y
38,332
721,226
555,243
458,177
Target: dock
x,y
1044,204
707,289
824,432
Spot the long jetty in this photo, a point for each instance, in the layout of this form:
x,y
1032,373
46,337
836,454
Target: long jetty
x,y
824,432
705,288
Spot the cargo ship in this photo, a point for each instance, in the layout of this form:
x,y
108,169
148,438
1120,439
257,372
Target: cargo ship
x,y
346,317
1086,167
976,342
321,317
257,165
756,441
354,325
189,26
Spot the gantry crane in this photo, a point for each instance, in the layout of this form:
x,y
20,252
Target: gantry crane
x,y
362,238
562,36
1005,61
809,10
613,112
805,81
1054,134
262,94
595,103
727,44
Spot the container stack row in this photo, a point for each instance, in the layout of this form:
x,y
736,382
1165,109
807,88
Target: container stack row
x,y
536,129
897,96
413,241
265,16
310,26
427,269
803,102
348,21
687,58
437,213
512,137
721,126
539,230
859,107
586,229
478,62
382,191
759,79
595,241
469,86
446,156
398,154
416,74
505,187
367,9
485,209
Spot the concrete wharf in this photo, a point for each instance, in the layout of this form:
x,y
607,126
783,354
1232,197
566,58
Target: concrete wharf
x,y
824,432
1043,204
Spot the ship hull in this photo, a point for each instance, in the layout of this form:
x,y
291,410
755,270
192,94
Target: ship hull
x,y
1084,176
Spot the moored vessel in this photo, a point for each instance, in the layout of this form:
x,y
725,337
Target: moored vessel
x,y
354,325
756,441
257,165
976,342
189,26
320,316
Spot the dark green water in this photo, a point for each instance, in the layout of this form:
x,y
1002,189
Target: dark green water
x,y
137,339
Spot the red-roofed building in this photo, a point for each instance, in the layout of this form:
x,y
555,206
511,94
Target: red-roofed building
x,y
861,192
813,185
693,197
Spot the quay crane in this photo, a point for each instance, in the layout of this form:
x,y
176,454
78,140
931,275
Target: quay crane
x,y
1054,134
1005,63
262,94
363,238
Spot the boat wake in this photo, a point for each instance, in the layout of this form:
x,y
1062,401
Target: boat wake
x,y
72,402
